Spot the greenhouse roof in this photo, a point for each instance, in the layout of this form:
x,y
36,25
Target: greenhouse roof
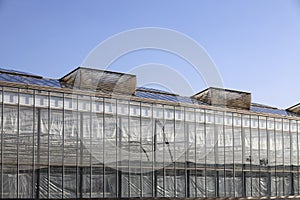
x,y
127,81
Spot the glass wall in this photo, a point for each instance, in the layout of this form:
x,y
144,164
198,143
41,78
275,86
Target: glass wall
x,y
57,145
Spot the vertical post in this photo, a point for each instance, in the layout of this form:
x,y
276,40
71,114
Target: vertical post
x,y
154,150
283,154
298,181
81,158
233,155
77,139
103,146
48,141
164,149
244,182
38,154
275,145
205,153
128,149
269,181
259,153
2,142
244,186
251,156
18,144
141,150
90,146
195,146
292,181
216,154
224,149
187,171
174,150
243,158
188,174
119,172
268,160
292,189
63,147
33,147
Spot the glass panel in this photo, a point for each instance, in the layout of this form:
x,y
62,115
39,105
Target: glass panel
x,y
42,154
85,156
135,150
179,146
41,99
26,98
211,142
26,150
110,150
238,143
247,155
255,141
263,157
287,156
147,150
56,153
279,156
191,153
221,152
71,131
11,96
9,148
168,148
159,135
97,188
124,148
200,175
272,156
294,143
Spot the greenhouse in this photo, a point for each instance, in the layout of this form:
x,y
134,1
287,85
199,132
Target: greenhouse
x,y
94,134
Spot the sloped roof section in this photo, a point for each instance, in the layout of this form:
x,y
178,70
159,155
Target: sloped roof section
x,y
269,110
13,76
100,80
15,72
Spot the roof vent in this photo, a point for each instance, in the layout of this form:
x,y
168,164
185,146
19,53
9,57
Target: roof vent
x,y
294,109
224,97
100,80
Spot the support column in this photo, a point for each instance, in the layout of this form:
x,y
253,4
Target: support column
x,y
81,157
38,170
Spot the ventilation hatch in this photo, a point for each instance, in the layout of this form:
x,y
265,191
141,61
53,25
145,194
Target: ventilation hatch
x,y
100,80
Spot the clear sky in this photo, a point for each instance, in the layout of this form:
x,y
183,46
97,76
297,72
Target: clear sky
x,y
255,44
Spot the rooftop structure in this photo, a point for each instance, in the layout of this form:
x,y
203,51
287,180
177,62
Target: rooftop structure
x,y
95,134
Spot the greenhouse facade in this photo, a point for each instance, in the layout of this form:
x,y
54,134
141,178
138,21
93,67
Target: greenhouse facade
x,y
94,134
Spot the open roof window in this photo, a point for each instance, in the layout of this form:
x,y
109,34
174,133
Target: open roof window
x,y
100,80
224,97
294,109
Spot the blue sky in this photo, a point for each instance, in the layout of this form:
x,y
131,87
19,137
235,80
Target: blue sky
x,y
255,44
